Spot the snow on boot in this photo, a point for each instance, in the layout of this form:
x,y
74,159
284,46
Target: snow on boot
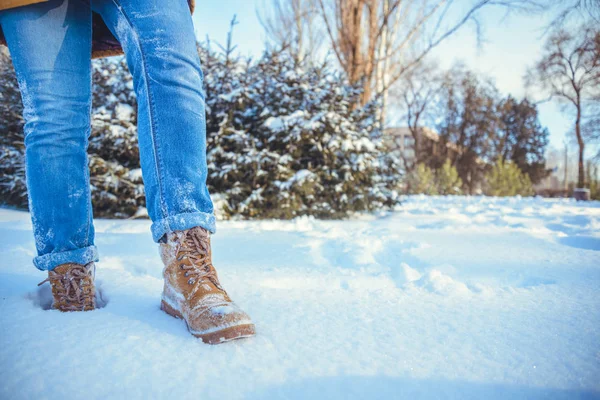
x,y
193,293
72,287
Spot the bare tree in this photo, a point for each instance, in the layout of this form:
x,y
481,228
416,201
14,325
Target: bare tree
x,y
292,25
416,96
568,10
384,54
569,70
377,41
591,133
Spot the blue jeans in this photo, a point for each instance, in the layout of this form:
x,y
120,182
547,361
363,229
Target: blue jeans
x,y
50,46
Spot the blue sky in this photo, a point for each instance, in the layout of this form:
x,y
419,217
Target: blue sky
x,y
511,45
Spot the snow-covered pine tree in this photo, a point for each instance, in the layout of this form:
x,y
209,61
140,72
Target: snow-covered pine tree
x,y
116,184
115,174
287,140
13,190
284,140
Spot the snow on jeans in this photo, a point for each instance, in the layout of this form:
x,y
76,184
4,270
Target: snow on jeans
x,y
50,46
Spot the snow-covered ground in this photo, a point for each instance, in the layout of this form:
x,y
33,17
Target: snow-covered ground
x,y
444,298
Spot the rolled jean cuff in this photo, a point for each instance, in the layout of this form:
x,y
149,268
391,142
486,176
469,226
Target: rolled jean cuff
x,y
48,262
182,222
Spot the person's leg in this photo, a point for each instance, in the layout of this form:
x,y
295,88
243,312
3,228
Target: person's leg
x,y
50,46
160,46
159,42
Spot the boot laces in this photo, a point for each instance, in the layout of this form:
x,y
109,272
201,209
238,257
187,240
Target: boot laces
x,y
68,286
195,247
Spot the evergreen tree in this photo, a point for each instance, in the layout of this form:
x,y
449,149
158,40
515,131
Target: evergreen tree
x,y
522,139
421,180
447,180
592,180
116,184
115,174
469,127
13,189
285,140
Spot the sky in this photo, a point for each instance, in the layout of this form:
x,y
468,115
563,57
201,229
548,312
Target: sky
x,y
511,44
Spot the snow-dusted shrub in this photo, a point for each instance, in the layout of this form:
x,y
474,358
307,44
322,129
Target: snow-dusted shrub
x,y
592,179
447,180
115,174
114,114
117,189
283,141
421,180
286,140
13,190
506,179
12,150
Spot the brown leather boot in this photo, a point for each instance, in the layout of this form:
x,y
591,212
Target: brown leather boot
x,y
193,293
73,287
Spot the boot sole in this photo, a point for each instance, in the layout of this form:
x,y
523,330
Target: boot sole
x,y
221,336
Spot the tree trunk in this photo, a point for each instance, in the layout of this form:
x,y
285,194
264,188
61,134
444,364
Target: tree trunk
x,y
566,177
416,144
299,30
581,172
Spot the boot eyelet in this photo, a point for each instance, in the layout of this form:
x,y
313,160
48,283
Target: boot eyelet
x,y
186,274
191,281
181,266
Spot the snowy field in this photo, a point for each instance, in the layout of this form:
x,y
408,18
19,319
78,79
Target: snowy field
x,y
446,298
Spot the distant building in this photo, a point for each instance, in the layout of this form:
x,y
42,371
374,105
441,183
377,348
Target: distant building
x,y
401,140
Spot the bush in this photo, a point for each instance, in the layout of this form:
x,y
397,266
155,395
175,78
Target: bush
x,y
116,185
506,179
284,140
591,172
287,140
447,180
424,180
13,190
115,174
421,180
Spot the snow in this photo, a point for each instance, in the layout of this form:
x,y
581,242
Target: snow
x,y
445,297
124,112
277,124
135,175
298,178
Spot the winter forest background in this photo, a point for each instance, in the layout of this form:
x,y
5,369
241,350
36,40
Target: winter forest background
x,y
303,130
